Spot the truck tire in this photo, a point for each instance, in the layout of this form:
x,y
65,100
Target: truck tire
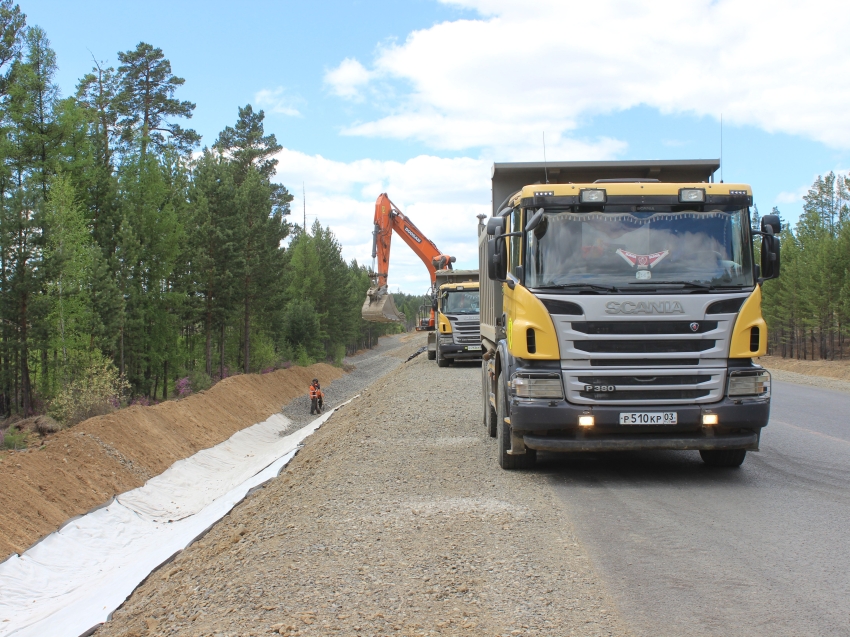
x,y
503,435
442,361
723,457
489,412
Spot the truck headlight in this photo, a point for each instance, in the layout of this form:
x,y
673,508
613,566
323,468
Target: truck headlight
x,y
538,387
446,338
749,383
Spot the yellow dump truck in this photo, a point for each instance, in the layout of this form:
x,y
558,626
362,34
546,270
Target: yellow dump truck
x,y
456,304
622,310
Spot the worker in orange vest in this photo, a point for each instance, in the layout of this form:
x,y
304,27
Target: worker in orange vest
x,y
317,397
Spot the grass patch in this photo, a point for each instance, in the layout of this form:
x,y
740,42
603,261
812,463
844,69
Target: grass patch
x,y
12,438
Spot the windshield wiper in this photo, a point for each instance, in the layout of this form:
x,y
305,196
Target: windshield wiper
x,y
578,286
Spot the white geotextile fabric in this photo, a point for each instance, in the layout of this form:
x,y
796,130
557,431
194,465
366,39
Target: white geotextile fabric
x,y
73,579
189,485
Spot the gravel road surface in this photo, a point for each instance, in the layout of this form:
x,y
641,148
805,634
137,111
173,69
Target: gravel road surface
x,y
369,366
686,549
393,520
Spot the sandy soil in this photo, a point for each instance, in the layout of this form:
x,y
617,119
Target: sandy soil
x,y
395,519
839,369
83,467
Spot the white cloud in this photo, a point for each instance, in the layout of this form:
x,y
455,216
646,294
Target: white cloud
x,y
348,78
522,68
792,197
441,196
277,101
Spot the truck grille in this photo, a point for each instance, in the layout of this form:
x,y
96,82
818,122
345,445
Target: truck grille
x,y
645,327
643,356
466,332
668,346
646,395
653,386
645,381
643,362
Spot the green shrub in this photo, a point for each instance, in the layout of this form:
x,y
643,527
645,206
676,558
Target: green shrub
x,y
199,381
96,391
303,329
263,354
14,439
338,353
302,358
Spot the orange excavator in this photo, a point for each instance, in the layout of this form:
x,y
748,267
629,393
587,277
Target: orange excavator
x,y
379,305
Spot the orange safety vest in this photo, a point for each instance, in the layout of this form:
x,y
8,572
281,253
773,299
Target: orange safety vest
x,y
315,392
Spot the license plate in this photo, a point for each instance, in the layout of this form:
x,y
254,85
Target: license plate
x,y
474,348
649,418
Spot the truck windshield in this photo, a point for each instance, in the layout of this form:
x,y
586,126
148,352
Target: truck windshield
x,y
638,249
456,302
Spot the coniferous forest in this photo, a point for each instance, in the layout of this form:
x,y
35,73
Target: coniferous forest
x,y
138,263
808,308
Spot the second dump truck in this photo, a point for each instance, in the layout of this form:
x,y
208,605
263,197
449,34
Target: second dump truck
x,y
622,310
456,304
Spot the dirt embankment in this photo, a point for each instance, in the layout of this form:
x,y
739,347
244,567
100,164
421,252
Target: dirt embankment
x,y
80,468
833,375
839,369
395,519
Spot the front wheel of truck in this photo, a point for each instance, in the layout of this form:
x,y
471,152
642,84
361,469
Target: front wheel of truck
x,y
442,361
723,457
503,435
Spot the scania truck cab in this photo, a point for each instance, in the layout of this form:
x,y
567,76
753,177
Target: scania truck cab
x,y
456,305
622,310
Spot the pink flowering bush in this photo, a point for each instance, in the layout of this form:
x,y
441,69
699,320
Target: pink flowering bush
x,y
183,387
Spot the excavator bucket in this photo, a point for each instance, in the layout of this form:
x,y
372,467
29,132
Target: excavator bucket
x,y
379,306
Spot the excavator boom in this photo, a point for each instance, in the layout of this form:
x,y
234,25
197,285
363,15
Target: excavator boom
x,y
379,305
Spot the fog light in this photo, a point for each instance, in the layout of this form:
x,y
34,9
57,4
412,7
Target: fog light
x,y
585,421
710,419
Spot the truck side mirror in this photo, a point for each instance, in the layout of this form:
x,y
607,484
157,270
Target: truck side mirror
x,y
496,223
769,256
772,222
497,267
535,220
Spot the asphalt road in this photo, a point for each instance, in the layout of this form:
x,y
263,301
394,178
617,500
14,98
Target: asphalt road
x,y
687,549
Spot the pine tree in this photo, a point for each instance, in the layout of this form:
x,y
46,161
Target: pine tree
x,y
146,102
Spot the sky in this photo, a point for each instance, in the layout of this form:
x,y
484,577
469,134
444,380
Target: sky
x,y
419,98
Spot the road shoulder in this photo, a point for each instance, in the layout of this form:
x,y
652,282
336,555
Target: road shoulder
x,y
394,519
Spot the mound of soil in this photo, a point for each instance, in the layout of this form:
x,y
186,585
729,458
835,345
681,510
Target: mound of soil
x,y
78,469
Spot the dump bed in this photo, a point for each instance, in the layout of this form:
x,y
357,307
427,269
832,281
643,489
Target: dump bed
x,y
455,276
